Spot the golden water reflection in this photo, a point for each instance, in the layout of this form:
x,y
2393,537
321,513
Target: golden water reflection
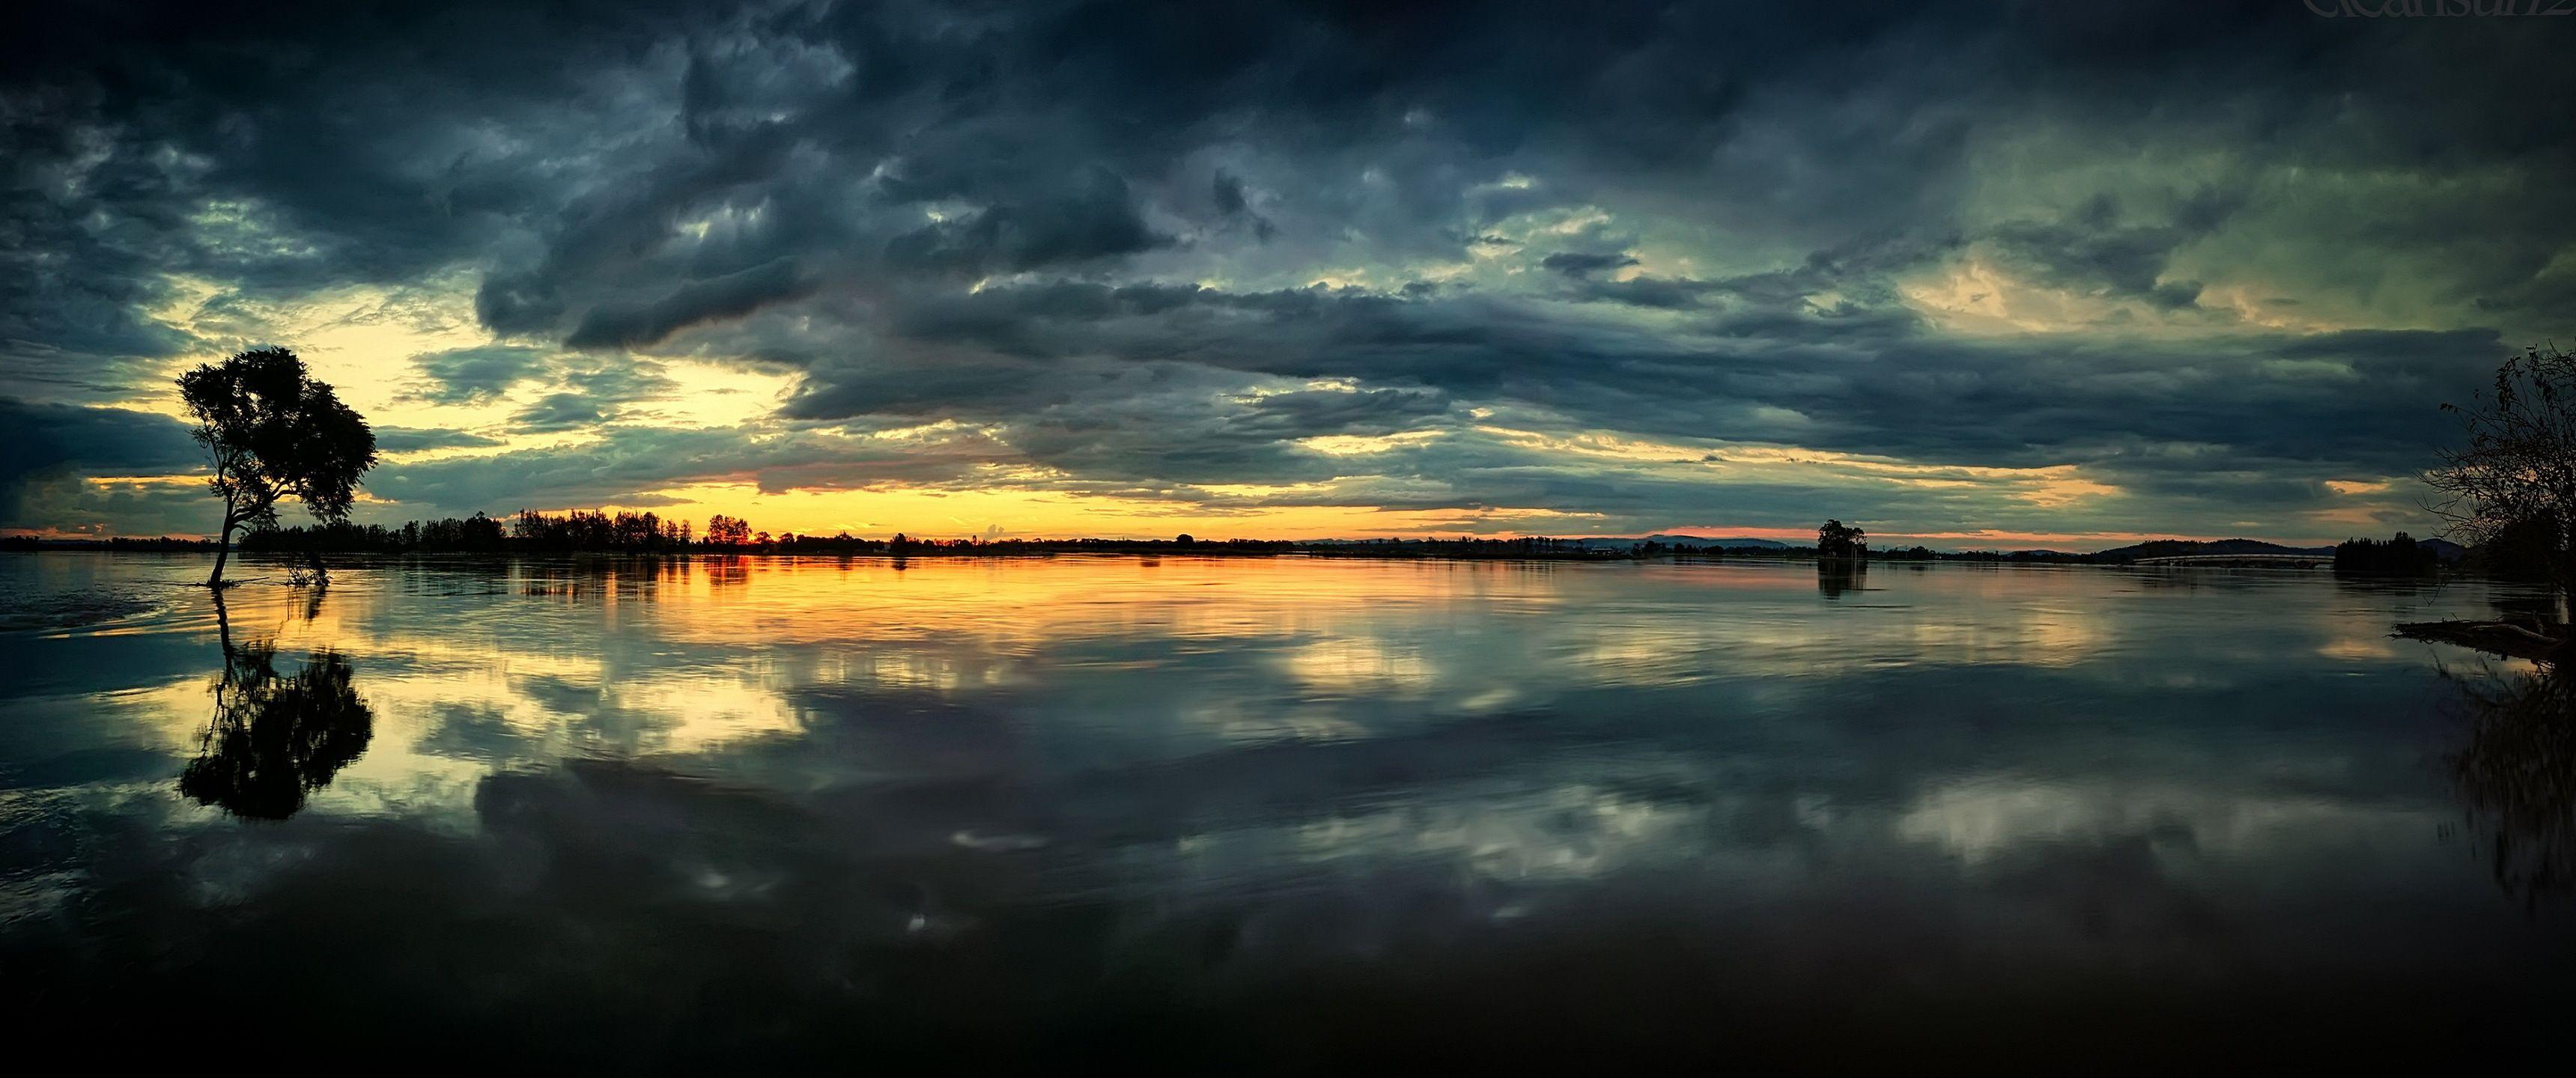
x,y
1216,772
676,657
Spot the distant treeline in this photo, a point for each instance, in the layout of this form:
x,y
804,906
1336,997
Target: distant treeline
x,y
162,543
2401,556
2518,552
649,534
2521,551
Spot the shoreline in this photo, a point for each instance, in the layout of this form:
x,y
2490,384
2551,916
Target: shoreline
x,y
1336,552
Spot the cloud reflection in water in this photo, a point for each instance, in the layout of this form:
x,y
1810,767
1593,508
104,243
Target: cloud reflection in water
x,y
1039,804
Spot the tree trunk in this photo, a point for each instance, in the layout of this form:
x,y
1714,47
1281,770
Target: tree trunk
x,y
2563,575
223,549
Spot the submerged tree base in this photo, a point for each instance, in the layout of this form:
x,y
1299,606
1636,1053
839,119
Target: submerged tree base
x,y
2493,637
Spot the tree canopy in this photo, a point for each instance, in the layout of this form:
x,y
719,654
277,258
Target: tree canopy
x,y
2514,484
723,530
1839,540
273,432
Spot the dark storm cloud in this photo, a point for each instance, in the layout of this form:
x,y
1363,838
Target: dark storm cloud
x,y
1577,264
151,139
2091,250
1873,383
730,295
626,460
50,441
471,375
1659,292
1094,219
410,440
1228,194
1094,228
560,412
1168,437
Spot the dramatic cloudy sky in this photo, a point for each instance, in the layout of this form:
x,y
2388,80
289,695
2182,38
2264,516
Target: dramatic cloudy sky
x,y
1991,273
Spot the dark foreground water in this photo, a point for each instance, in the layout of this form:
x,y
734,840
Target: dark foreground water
x,y
1254,816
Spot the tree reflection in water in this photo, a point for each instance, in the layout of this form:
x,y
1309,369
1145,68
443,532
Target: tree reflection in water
x,y
2516,775
1835,576
275,737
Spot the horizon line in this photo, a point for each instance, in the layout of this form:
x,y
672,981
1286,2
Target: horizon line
x,y
1958,541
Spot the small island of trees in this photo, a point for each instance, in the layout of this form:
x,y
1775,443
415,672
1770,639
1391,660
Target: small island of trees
x,y
1841,542
2401,556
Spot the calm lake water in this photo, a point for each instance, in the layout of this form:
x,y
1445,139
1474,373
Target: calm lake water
x,y
1273,815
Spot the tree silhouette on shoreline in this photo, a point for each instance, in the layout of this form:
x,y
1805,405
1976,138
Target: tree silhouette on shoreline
x,y
273,431
2514,485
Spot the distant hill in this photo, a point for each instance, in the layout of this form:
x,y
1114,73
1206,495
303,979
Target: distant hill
x,y
2444,549
1731,542
2182,548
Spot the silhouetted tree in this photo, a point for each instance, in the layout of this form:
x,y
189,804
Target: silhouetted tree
x,y
273,431
2517,476
1839,540
723,530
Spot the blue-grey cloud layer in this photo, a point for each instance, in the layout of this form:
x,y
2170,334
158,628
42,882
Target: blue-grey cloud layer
x,y
1089,230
